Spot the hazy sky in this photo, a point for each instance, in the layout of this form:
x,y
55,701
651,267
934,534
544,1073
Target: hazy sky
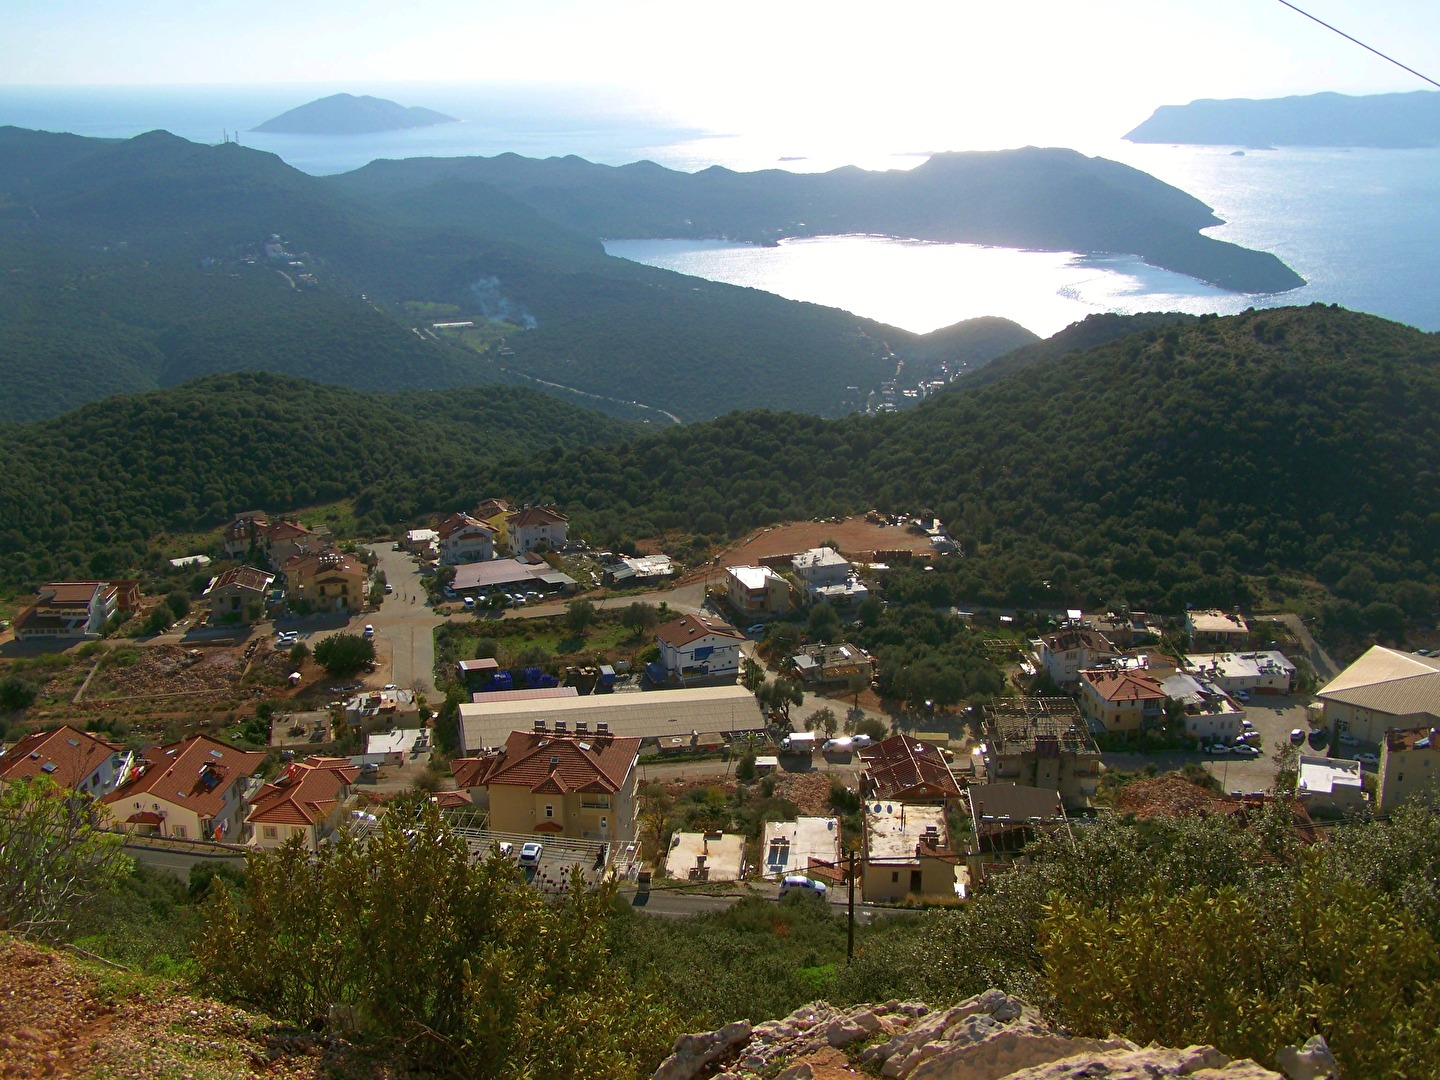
x,y
1041,71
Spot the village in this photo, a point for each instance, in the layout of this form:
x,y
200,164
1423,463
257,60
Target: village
x,y
705,731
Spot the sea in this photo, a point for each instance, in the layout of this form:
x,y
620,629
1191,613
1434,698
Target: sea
x,y
1361,226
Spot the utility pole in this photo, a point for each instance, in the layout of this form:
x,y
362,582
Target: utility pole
x,y
850,927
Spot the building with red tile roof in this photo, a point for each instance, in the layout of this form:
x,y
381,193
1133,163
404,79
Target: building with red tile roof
x,y
1120,699
464,539
239,594
699,647
535,525
326,581
303,802
76,760
905,769
569,785
194,789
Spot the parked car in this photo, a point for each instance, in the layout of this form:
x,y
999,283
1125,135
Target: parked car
x,y
389,588
469,603
861,740
1347,739
390,686
755,629
1245,750
530,854
1218,748
1242,695
505,848
802,884
1297,735
369,630
1368,758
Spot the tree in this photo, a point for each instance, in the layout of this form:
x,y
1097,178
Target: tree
x,y
53,857
15,694
639,617
298,653
823,623
158,621
490,989
344,654
779,695
825,721
752,675
856,683
580,616
179,603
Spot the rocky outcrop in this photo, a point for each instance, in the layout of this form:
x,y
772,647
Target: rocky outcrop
x,y
986,1037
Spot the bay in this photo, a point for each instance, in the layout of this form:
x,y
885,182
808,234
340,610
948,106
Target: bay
x,y
1362,227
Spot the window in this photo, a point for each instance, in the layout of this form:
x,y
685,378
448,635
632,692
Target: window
x,y
178,830
549,811
895,877
268,832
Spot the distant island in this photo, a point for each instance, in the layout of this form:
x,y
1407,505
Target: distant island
x,y
346,114
1385,121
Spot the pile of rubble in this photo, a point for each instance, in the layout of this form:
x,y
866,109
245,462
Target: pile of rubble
x,y
984,1038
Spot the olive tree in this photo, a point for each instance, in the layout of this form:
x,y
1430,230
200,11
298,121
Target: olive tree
x,y
53,857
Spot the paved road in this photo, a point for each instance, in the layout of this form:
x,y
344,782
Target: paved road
x,y
405,623
179,862
1319,659
674,903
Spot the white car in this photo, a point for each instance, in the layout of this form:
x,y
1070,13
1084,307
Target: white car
x,y
390,686
530,854
1368,759
369,630
1218,748
801,884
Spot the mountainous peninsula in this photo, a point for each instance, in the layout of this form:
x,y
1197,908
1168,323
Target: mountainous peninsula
x,y
1387,121
1047,199
346,114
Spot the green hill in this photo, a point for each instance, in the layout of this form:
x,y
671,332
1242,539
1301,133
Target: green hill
x,y
1051,199
133,264
1207,462
84,493
1203,463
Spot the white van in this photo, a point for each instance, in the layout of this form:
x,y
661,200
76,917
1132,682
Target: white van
x,y
800,742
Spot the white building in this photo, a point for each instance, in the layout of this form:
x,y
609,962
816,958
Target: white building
x,y
535,526
699,646
1253,672
756,591
1066,653
1209,715
1331,784
464,539
828,575
791,847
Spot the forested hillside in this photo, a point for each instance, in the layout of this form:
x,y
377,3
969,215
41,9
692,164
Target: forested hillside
x,y
1047,198
1197,463
139,263
85,493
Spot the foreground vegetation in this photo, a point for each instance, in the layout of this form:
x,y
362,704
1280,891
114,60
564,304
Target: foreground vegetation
x,y
1246,935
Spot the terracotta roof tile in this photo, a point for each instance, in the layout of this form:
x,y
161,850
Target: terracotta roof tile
x,y
307,792
1124,685
536,515
561,764
903,767
65,755
194,773
682,631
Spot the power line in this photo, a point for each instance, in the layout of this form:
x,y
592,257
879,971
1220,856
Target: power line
x,y
1357,41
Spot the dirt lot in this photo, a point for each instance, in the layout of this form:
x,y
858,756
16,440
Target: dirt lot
x,y
857,538
165,669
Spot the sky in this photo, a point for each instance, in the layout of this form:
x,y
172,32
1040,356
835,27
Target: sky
x,y
959,73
